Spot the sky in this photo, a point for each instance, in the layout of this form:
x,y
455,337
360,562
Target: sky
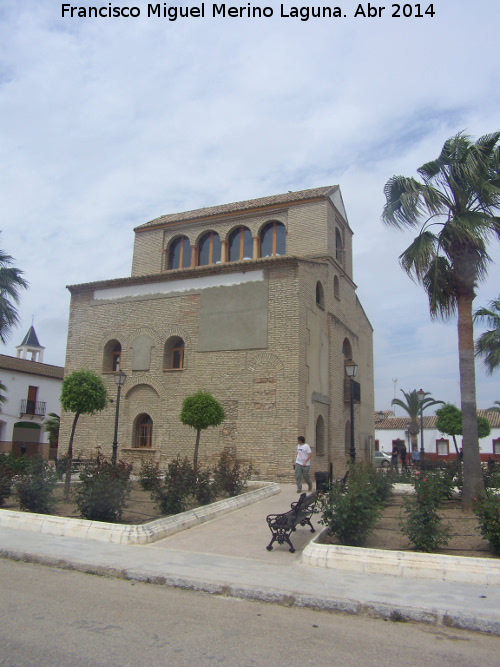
x,y
109,122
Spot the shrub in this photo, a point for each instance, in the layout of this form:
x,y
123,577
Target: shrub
x,y
350,512
230,475
381,483
149,475
5,484
487,509
205,488
491,475
35,486
171,496
15,465
104,489
423,526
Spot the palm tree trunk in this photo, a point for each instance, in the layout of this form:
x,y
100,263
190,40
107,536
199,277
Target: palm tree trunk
x,y
69,460
473,475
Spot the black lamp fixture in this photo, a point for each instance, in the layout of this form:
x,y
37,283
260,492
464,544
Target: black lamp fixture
x,y
120,379
351,368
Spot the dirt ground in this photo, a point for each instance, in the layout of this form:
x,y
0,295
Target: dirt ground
x,y
139,508
465,539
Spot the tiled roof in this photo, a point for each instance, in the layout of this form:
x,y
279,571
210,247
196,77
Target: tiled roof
x,y
399,423
241,206
32,367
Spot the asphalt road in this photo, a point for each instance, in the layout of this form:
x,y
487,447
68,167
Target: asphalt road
x,y
64,618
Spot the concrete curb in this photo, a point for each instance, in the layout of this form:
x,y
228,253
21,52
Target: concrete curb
x,y
390,612
132,533
465,569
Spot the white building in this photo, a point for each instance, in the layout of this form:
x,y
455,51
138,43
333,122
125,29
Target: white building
x,y
32,391
437,446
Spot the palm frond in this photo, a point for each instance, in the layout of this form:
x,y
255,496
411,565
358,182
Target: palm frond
x,y
416,259
439,285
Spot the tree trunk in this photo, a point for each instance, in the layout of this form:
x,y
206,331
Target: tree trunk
x,y
196,447
473,475
69,459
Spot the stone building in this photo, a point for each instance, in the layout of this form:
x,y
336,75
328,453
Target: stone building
x,y
254,302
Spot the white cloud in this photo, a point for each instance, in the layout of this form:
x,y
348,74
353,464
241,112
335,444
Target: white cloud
x,y
109,123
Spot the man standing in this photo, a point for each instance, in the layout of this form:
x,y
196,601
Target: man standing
x,y
302,464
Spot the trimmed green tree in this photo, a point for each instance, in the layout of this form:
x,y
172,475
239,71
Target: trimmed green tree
x,y
449,422
83,393
201,410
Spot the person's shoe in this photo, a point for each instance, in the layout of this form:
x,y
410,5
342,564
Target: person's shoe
x,y
299,490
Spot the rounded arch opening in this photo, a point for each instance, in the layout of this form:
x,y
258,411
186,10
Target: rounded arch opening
x,y
272,239
179,253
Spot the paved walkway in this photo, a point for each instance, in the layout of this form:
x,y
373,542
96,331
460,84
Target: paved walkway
x,y
228,556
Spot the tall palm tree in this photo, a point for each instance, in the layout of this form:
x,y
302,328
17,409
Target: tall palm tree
x,y
455,208
11,282
488,343
411,405
495,408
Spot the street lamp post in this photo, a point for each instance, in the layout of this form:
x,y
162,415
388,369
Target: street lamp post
x,y
421,396
120,381
351,369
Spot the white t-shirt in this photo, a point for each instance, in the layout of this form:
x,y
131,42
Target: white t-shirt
x,y
303,451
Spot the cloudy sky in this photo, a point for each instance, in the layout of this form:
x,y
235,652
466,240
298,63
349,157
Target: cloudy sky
x,y
107,123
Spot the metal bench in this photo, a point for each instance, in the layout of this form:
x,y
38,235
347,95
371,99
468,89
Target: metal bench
x,y
283,525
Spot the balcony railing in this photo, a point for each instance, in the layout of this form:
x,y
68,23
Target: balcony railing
x,y
36,408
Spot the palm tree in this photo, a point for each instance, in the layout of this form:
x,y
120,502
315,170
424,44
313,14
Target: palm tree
x,y
411,405
455,209
52,427
488,343
495,408
11,282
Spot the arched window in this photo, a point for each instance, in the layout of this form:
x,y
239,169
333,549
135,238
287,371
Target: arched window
x,y
144,431
320,295
339,246
346,350
179,253
112,357
173,358
336,287
320,436
240,244
209,249
273,239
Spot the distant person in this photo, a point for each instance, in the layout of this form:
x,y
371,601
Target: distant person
x,y
461,454
403,458
394,458
302,464
415,455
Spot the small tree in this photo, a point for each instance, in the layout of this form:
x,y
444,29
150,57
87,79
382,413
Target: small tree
x,y
449,422
200,411
83,393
